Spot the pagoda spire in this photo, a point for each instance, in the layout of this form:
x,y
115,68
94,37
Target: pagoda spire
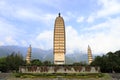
x,y
90,59
28,57
59,14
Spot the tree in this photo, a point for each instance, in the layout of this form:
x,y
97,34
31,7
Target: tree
x,y
109,62
36,62
3,65
11,62
80,63
14,60
46,63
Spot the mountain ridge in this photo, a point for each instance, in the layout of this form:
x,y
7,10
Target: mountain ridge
x,y
43,55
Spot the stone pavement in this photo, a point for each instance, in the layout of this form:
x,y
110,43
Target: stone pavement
x,y
4,76
115,76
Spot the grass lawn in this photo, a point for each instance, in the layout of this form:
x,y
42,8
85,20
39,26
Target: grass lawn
x,y
104,76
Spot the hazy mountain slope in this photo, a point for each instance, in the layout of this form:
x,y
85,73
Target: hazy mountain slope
x,y
42,54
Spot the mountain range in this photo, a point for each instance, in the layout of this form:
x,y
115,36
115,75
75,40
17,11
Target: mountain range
x,y
43,55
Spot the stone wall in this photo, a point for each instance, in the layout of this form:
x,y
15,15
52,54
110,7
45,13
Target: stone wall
x,y
59,69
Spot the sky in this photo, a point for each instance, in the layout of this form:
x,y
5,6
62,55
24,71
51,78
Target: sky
x,y
87,22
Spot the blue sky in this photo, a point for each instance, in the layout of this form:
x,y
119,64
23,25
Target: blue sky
x,y
87,22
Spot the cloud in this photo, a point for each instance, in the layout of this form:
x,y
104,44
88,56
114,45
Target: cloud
x,y
101,32
9,32
90,19
80,19
44,40
54,3
10,41
24,42
102,38
6,28
73,40
32,13
107,9
105,36
26,14
105,40
1,43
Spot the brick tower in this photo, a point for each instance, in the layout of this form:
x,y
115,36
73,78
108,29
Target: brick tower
x,y
59,41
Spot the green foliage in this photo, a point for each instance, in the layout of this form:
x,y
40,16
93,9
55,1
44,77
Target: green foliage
x,y
17,75
100,75
80,64
3,64
46,63
11,62
109,62
62,75
36,62
14,61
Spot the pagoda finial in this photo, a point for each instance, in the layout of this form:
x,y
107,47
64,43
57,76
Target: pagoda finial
x,y
59,14
88,46
30,45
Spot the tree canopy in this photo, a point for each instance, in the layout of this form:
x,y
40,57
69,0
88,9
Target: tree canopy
x,y
109,62
11,62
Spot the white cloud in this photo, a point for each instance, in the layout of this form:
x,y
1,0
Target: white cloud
x,y
107,9
1,43
33,15
2,3
110,24
54,3
73,41
108,38
45,35
90,19
7,29
97,27
44,40
80,19
10,41
102,37
100,42
25,14
71,38
9,33
24,43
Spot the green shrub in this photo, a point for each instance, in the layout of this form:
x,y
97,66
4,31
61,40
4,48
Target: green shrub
x,y
17,75
100,75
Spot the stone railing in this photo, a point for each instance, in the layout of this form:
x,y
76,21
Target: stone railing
x,y
59,69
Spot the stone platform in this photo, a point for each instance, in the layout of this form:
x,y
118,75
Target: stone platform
x,y
59,69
